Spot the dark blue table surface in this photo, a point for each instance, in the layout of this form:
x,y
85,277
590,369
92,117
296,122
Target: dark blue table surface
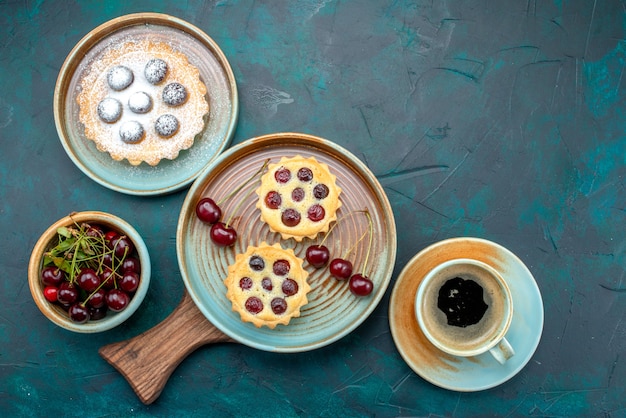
x,y
510,115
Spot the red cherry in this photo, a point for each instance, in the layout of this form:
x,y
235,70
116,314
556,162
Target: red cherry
x,y
117,300
107,259
109,237
132,264
208,211
97,313
97,299
266,284
305,174
320,191
340,269
108,278
297,194
282,175
67,293
279,306
289,287
50,293
316,213
281,267
78,313
245,283
223,235
317,255
52,276
123,246
254,305
88,280
273,200
361,285
94,231
129,282
290,217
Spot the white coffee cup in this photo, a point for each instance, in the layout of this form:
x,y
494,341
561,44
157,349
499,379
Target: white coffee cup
x,y
464,307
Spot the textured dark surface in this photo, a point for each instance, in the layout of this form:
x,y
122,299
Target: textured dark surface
x,y
497,119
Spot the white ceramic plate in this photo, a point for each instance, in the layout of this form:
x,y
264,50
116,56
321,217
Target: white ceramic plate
x,y
168,175
472,373
333,311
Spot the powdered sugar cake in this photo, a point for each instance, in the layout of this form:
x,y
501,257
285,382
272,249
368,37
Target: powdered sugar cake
x,y
142,130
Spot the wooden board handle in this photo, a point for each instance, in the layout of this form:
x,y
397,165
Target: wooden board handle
x,y
148,360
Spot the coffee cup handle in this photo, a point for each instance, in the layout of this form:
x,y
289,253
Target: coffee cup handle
x,y
502,351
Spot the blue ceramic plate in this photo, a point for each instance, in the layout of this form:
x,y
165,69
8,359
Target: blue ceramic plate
x,y
333,311
472,373
168,175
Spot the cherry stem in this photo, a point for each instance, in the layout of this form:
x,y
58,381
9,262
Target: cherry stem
x,y
369,246
236,209
350,214
366,212
241,186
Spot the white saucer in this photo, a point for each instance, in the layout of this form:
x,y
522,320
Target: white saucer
x,y
472,373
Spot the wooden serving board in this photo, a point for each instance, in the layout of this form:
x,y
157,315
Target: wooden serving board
x,y
148,360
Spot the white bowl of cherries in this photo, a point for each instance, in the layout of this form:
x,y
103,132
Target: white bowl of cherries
x,y
89,272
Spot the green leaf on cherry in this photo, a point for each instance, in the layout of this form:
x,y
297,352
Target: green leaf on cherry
x,y
64,231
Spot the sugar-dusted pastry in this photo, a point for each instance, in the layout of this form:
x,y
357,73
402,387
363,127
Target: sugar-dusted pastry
x,y
142,101
267,285
298,197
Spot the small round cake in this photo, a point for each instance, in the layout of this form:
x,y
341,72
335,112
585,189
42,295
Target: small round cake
x,y
142,84
267,285
298,197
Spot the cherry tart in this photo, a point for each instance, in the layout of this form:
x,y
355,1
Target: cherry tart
x,y
267,285
298,197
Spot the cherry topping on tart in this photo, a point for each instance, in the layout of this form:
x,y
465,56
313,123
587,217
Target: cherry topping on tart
x,y
290,287
266,284
282,175
290,217
245,283
273,200
257,263
297,194
254,305
316,213
305,174
281,267
279,306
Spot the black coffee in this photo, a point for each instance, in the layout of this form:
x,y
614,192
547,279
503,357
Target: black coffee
x,y
473,306
462,302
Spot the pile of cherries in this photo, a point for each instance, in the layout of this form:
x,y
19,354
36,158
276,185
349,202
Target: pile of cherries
x,y
90,271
